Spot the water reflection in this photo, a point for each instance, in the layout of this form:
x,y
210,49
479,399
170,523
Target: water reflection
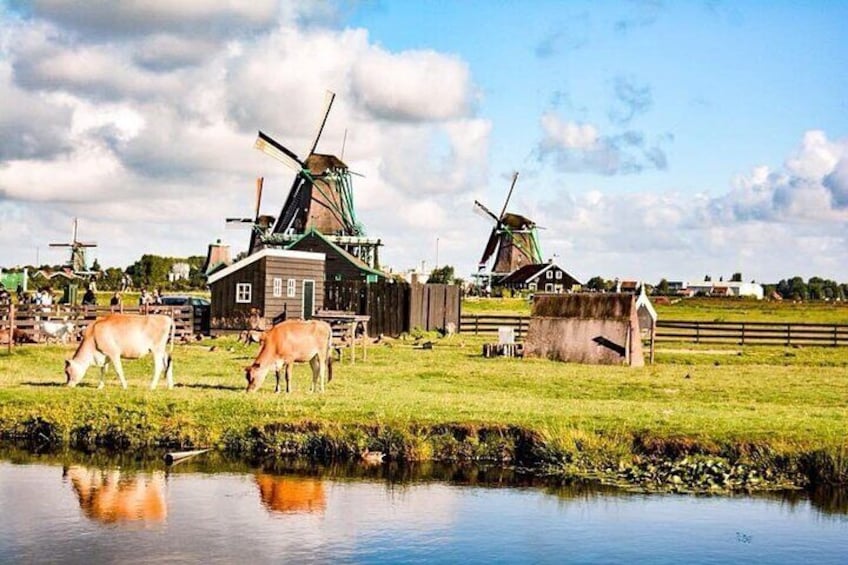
x,y
291,495
109,496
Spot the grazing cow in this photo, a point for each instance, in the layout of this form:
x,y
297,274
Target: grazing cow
x,y
59,331
124,335
290,342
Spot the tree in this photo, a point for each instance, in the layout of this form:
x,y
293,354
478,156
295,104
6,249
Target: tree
x,y
96,266
662,287
737,277
596,283
708,278
441,275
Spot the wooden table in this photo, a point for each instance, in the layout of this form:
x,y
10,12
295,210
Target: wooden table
x,y
344,326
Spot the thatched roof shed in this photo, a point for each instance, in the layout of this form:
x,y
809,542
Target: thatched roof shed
x,y
585,328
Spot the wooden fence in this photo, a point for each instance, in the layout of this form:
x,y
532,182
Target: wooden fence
x,y
24,320
739,333
753,333
394,307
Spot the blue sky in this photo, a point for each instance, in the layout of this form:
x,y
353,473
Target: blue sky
x,y
653,139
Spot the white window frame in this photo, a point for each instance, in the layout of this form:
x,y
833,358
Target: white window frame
x,y
277,287
549,275
291,288
559,275
244,293
532,287
549,287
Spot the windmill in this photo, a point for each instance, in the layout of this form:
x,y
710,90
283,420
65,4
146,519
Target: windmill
x,y
77,262
259,224
513,239
320,198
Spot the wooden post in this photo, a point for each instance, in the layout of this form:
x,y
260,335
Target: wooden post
x,y
653,338
743,333
788,335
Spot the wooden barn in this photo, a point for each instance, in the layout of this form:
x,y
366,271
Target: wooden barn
x,y
600,329
340,264
539,277
267,285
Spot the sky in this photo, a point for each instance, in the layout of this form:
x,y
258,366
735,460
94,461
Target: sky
x,y
652,139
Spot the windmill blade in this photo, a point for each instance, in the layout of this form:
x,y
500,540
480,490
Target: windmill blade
x,y
86,243
484,212
61,245
328,103
269,146
260,181
509,194
491,245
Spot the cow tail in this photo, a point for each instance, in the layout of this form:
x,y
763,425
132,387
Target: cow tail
x,y
173,334
330,357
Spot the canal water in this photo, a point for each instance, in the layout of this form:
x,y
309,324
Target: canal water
x,y
62,509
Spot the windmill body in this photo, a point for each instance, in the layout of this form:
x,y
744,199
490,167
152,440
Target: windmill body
x,y
77,262
513,242
320,199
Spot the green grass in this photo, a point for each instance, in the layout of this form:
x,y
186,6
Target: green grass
x,y
449,401
698,309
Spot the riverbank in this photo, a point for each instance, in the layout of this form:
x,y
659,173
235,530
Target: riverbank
x,y
705,422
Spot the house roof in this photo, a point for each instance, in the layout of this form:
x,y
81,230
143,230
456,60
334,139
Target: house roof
x,y
355,261
267,252
526,273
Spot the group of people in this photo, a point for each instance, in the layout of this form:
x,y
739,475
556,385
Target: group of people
x,y
147,299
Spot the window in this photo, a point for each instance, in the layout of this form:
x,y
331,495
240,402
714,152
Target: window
x,y
549,287
243,293
278,288
559,275
549,274
291,288
532,286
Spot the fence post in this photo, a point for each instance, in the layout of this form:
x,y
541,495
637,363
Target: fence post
x,y
743,333
697,332
476,324
835,341
788,335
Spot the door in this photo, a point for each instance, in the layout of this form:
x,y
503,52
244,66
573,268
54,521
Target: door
x,y
308,299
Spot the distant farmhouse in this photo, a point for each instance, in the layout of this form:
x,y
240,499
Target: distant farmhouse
x,y
544,277
724,288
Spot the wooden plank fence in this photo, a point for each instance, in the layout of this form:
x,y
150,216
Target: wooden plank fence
x,y
739,333
25,319
395,307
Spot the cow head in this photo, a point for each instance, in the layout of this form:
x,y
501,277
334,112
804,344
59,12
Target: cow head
x,y
74,372
255,376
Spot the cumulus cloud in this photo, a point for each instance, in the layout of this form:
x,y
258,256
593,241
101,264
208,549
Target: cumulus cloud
x,y
140,118
766,213
575,147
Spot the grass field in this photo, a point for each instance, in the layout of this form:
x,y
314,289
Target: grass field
x,y
781,405
699,309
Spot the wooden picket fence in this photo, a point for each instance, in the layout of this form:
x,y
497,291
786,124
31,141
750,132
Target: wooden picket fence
x,y
739,333
24,320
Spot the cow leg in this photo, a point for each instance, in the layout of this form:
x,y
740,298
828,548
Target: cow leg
x,y
169,370
103,367
288,377
317,374
119,369
277,374
157,370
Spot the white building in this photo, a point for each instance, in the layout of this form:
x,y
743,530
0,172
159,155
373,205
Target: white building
x,y
725,288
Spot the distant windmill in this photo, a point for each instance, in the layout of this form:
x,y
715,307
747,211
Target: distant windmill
x,y
259,224
77,261
513,239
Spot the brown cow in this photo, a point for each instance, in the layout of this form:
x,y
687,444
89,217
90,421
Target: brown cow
x,y
290,342
124,335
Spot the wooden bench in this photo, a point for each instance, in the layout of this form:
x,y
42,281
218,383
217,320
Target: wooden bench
x,y
348,329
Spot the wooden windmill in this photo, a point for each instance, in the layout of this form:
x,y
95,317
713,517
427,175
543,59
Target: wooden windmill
x,y
320,198
77,262
513,240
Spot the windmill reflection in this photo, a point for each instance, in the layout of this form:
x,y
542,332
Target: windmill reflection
x,y
291,495
109,496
